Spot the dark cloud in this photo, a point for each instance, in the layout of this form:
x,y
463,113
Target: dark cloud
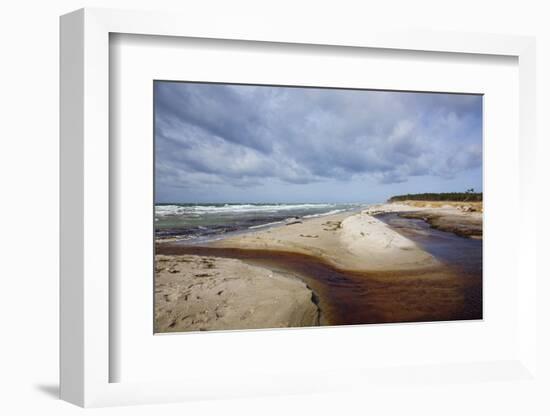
x,y
246,136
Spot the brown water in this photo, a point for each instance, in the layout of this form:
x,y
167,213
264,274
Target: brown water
x,y
463,254
452,292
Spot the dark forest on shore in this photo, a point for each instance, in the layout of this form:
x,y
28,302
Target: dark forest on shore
x,y
468,196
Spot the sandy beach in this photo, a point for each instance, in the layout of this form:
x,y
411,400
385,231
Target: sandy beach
x,y
350,242
195,293
462,218
360,269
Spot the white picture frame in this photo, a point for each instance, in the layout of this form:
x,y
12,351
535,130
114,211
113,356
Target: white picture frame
x,y
85,209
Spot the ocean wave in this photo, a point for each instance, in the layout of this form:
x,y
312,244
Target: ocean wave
x,y
323,214
167,210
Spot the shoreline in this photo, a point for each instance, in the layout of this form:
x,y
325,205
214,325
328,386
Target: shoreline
x,y
289,220
361,270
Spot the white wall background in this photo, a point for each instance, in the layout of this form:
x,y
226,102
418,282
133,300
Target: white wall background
x,y
29,208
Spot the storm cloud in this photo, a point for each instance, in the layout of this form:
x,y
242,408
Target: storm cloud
x,y
216,141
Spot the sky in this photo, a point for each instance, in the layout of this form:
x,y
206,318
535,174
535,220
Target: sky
x,y
239,143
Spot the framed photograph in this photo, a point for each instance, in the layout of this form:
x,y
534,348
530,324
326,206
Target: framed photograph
x,y
262,212
268,213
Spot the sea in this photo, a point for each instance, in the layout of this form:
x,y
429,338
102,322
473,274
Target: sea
x,y
203,222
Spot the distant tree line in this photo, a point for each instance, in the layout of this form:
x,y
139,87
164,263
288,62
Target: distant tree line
x,y
469,196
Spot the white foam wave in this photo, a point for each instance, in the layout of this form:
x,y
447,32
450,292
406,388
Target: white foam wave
x,y
165,210
323,214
